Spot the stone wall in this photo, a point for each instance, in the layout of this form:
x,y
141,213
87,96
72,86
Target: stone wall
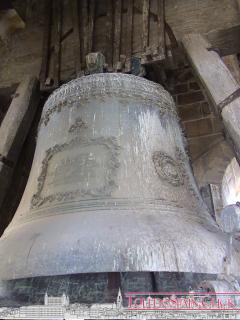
x,y
208,149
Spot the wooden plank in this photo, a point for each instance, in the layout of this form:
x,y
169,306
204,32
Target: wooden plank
x,y
222,28
117,32
57,30
238,3
190,16
161,28
91,20
84,17
218,82
109,34
145,24
46,43
226,40
76,36
18,118
6,173
14,128
129,35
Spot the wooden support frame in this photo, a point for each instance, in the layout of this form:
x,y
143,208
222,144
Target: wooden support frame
x,y
109,35
91,24
221,87
15,127
129,35
238,3
145,24
117,34
57,32
84,28
161,29
153,53
46,43
76,36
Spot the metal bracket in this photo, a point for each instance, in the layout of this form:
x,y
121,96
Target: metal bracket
x,y
229,99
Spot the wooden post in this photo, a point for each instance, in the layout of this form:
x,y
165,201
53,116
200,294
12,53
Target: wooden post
x,y
15,127
117,33
76,35
238,3
161,28
57,12
129,35
84,26
46,43
91,22
221,87
109,34
145,31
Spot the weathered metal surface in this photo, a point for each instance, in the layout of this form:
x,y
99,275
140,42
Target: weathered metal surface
x,y
230,219
111,189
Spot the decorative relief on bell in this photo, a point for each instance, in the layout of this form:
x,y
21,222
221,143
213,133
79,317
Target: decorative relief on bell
x,y
70,94
77,126
79,168
168,169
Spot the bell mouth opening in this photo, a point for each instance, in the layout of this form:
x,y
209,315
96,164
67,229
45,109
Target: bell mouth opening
x,y
92,288
110,242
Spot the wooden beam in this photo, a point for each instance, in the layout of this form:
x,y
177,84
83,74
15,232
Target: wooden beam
x,y
84,27
57,31
109,34
46,43
193,17
238,3
14,128
117,32
221,87
76,36
91,21
129,35
226,40
161,28
145,24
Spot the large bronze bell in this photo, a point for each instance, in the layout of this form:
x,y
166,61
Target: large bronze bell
x,y
111,188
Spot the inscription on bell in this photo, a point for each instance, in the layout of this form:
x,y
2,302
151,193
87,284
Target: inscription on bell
x,y
77,170
82,166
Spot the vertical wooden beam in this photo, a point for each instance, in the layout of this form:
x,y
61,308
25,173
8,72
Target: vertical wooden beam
x,y
161,28
212,197
84,17
91,21
117,32
238,3
14,128
129,34
145,20
109,34
76,35
46,43
221,87
57,30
